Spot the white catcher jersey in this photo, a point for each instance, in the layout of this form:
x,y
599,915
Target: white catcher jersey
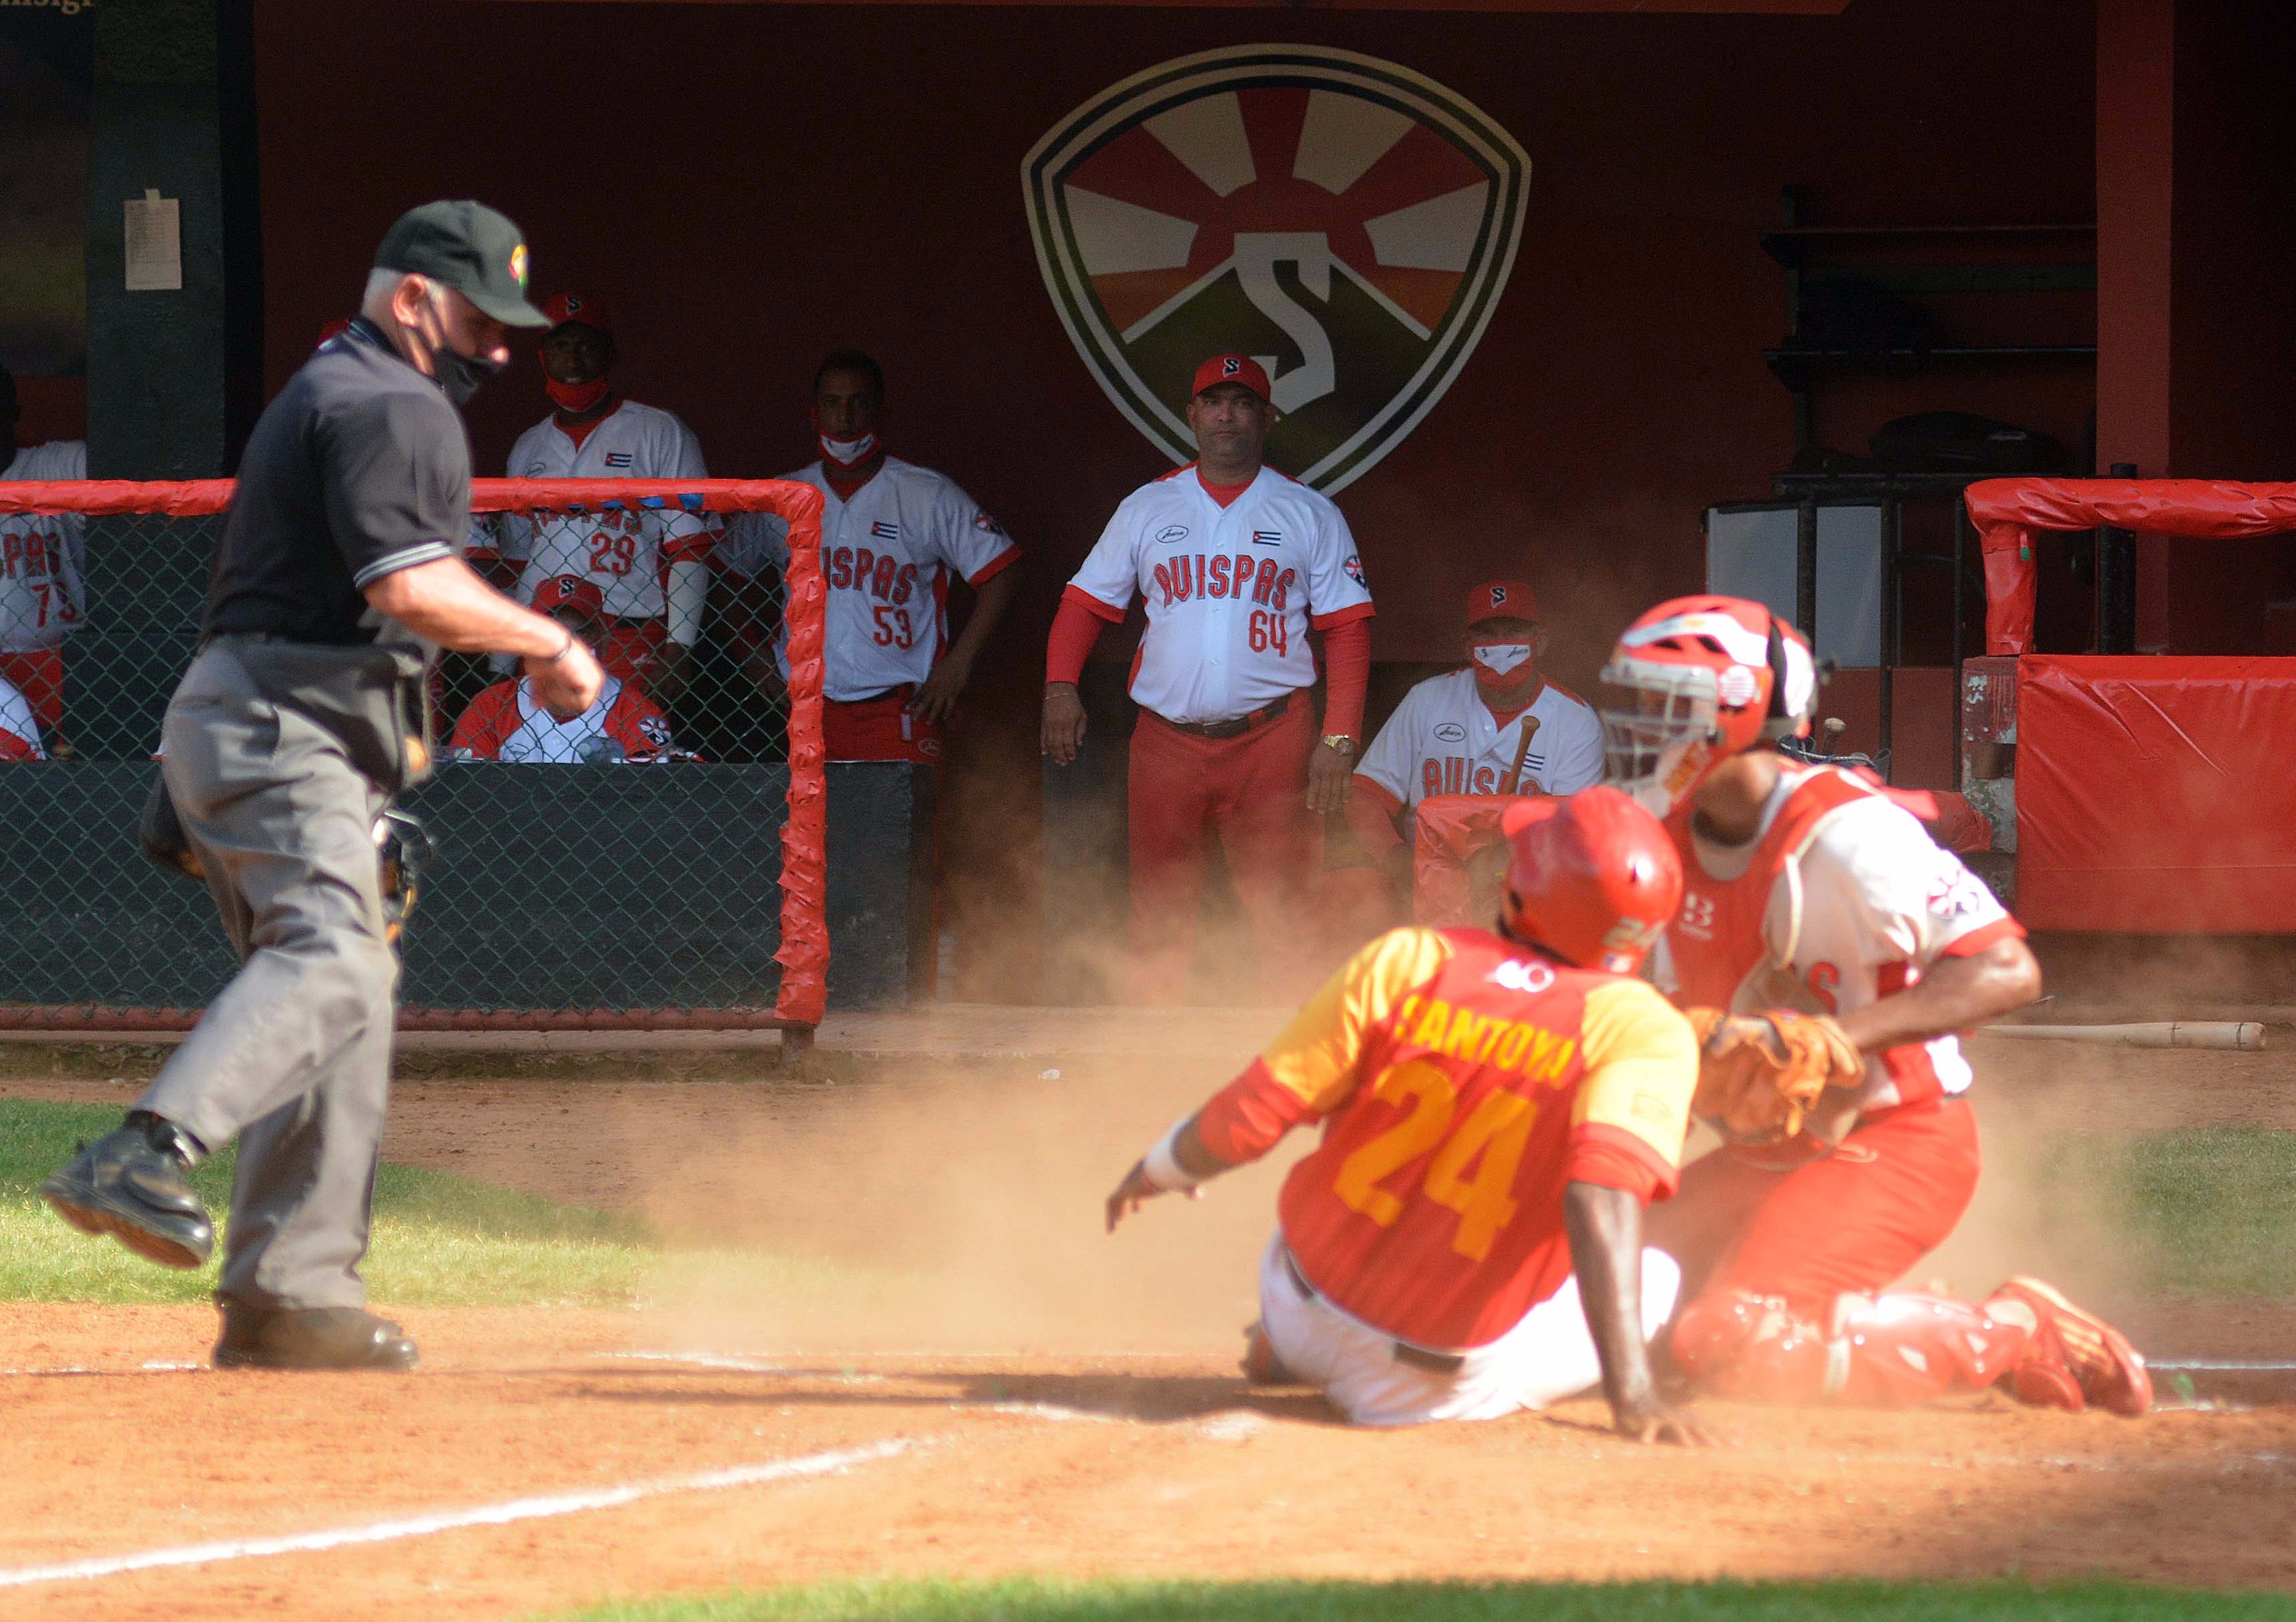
x,y
1879,902
624,552
1443,738
43,557
1230,591
887,555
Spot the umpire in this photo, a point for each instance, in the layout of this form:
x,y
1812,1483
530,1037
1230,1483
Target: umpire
x,y
339,577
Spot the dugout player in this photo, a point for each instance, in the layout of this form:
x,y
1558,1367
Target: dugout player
x,y
652,567
892,535
1496,726
1497,1109
1235,563
1812,889
302,715
20,728
507,722
42,596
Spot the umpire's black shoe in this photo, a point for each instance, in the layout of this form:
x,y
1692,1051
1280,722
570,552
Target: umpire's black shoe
x,y
310,1338
133,1183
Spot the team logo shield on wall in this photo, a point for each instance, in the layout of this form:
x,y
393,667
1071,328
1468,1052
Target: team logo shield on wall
x,y
1348,222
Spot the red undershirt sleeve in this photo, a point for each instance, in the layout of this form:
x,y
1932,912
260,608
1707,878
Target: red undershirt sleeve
x,y
1347,671
1075,629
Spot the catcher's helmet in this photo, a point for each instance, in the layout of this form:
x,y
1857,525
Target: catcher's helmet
x,y
1592,879
1696,681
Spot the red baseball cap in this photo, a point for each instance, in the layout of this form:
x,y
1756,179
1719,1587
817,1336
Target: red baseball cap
x,y
1495,599
570,591
1233,368
588,308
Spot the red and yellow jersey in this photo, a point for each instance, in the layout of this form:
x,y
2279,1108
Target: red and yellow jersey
x,y
1462,1080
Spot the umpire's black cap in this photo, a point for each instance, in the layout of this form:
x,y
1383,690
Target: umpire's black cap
x,y
474,250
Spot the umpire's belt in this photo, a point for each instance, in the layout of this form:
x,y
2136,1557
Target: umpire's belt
x,y
1236,728
1412,1357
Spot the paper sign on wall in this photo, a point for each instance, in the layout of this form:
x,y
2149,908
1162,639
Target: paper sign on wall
x,y
155,243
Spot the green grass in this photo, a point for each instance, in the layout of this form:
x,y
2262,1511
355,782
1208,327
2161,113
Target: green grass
x,y
1031,1600
2208,1210
439,1240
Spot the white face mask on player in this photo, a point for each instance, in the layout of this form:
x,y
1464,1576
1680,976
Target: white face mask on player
x,y
848,453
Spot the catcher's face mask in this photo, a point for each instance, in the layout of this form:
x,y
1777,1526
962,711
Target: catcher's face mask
x,y
1693,681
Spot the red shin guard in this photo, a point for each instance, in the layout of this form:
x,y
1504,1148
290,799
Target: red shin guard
x,y
1876,1351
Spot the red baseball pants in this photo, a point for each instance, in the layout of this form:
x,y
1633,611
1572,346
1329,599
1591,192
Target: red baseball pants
x,y
629,647
38,674
1847,1224
879,729
1252,789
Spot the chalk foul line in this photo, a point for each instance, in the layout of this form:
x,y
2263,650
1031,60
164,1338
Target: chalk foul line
x,y
449,1520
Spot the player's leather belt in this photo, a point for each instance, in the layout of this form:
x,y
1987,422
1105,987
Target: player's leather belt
x,y
1412,1357
1236,728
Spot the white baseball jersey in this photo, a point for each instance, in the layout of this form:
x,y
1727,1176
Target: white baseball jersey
x,y
1443,738
1230,591
1877,903
625,551
887,555
42,559
20,728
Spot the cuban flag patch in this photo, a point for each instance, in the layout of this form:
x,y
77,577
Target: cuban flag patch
x,y
618,459
885,530
1267,537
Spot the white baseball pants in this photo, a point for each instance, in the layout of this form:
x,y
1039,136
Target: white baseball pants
x,y
1547,1357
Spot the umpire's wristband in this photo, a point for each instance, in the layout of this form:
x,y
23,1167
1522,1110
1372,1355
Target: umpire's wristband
x,y
1162,1168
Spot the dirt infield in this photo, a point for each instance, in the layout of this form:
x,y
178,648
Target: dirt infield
x,y
1118,1466
1002,1389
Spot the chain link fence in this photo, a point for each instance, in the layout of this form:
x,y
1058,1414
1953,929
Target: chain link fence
x,y
623,868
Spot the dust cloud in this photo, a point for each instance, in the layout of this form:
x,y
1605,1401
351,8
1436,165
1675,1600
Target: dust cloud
x,y
958,1208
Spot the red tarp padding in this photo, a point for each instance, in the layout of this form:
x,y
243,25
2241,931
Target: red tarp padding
x,y
2153,794
1449,865
2006,512
804,953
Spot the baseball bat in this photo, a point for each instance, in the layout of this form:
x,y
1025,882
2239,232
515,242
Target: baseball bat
x,y
1521,753
2242,1036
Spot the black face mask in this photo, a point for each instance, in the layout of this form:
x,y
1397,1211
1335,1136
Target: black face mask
x,y
460,376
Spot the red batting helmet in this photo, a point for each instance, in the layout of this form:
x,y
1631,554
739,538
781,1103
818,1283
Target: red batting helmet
x,y
1592,879
1696,681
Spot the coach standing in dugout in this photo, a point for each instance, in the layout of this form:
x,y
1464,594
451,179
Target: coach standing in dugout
x,y
339,576
1236,563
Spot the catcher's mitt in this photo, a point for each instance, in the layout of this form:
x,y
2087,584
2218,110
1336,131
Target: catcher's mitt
x,y
1760,1076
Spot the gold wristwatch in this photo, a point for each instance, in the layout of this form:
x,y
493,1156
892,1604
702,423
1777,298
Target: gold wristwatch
x,y
1339,741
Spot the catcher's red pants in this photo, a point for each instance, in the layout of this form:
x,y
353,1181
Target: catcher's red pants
x,y
38,674
1850,1224
1252,789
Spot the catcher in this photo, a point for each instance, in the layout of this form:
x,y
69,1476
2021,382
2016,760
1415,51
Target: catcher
x,y
1496,1109
1827,950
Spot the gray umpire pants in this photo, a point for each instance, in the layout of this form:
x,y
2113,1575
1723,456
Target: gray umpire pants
x,y
293,1058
